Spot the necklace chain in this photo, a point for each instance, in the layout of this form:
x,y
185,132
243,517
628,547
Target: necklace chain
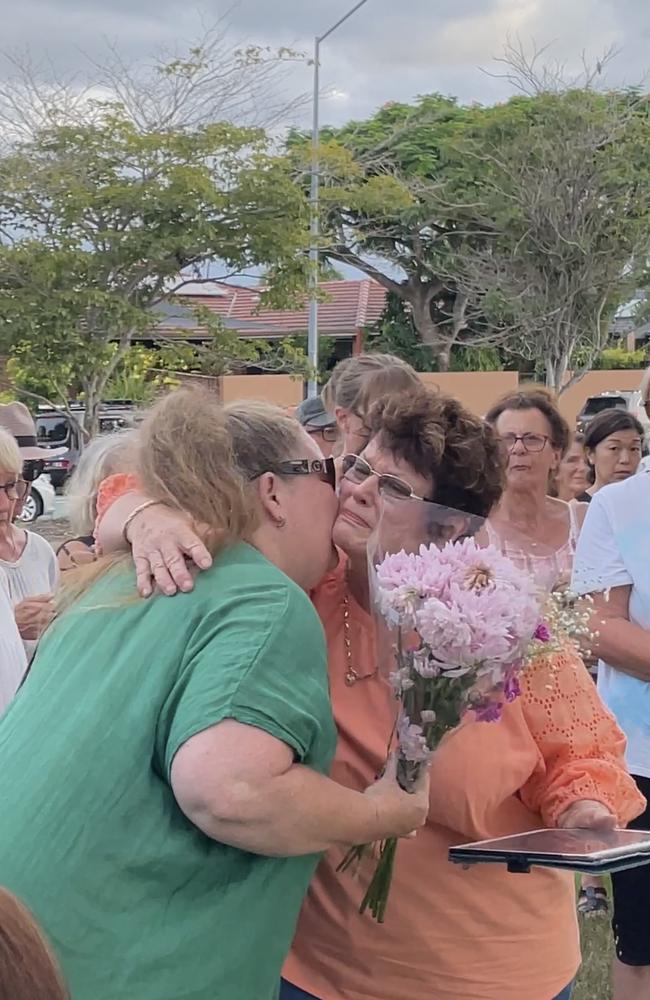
x,y
351,676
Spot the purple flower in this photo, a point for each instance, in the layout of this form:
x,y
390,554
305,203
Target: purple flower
x,y
542,633
511,688
488,711
412,743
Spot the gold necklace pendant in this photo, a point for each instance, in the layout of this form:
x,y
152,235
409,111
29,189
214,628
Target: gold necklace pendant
x,y
351,676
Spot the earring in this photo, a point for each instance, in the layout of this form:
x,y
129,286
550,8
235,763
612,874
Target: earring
x,y
280,522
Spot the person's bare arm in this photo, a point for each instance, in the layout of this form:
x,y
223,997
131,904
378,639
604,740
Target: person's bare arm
x,y
33,615
617,640
241,786
162,541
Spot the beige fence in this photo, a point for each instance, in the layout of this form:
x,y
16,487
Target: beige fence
x,y
477,390
279,389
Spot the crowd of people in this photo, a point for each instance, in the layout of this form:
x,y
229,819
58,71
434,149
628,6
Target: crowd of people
x,y
197,739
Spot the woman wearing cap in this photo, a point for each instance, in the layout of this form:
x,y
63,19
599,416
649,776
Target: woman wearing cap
x,y
28,564
319,424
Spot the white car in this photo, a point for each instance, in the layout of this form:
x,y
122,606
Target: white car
x,y
42,500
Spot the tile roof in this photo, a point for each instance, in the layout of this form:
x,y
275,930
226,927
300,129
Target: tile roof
x,y
345,307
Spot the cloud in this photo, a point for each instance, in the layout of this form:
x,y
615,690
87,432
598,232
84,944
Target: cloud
x,y
386,51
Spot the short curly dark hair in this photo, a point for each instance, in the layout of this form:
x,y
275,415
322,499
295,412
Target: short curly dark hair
x,y
443,440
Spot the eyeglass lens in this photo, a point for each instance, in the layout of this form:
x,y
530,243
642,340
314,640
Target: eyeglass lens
x,y
531,442
16,490
357,470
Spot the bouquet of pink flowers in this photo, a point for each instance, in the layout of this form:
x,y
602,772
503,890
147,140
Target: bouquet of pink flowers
x,y
461,619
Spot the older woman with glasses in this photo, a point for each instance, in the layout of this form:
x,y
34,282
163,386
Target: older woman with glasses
x,y
534,437
449,934
27,561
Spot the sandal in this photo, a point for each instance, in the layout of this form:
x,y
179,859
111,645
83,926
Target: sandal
x,y
593,902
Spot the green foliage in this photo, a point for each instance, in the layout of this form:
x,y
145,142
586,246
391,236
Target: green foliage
x,y
476,359
103,219
619,358
395,334
327,350
518,226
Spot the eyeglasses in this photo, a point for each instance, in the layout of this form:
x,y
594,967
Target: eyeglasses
x,y
17,490
322,467
357,470
531,442
329,434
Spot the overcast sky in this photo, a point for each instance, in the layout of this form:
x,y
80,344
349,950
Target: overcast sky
x,y
390,50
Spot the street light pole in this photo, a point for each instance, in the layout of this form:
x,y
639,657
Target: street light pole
x,y
314,227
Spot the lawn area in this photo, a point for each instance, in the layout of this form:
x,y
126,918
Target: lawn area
x,y
597,948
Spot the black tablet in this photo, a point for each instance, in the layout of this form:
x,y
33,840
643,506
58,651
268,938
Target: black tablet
x,y
592,851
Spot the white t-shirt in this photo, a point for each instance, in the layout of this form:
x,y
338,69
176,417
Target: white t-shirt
x,y
614,551
35,572
13,659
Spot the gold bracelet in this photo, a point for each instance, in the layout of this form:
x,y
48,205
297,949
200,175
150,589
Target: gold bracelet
x,y
132,516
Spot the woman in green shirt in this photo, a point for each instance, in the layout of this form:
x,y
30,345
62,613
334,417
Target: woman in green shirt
x,y
162,777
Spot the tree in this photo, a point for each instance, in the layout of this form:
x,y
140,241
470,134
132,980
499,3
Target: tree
x,y
379,214
564,205
394,333
98,221
212,79
518,225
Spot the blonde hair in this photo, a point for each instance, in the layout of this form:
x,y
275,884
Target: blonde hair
x,y
104,456
186,461
199,457
358,381
10,457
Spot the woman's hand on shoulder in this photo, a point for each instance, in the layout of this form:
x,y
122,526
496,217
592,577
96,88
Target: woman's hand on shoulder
x,y
587,814
164,542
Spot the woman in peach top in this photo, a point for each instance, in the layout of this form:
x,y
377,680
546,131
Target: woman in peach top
x,y
554,759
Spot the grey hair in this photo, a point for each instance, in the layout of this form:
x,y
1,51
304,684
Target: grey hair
x,y
103,457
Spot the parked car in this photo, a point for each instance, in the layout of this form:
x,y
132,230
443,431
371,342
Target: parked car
x,y
56,430
42,500
626,399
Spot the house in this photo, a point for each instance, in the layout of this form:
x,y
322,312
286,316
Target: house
x,y
346,309
627,325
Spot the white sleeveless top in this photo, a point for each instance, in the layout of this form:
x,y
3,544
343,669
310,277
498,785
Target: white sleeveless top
x,y
549,569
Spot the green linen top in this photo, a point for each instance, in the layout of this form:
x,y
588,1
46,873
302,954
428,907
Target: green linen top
x,y
139,903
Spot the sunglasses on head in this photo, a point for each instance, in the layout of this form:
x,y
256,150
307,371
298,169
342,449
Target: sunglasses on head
x,y
322,467
357,470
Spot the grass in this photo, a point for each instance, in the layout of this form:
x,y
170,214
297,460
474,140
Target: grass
x,y
597,949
